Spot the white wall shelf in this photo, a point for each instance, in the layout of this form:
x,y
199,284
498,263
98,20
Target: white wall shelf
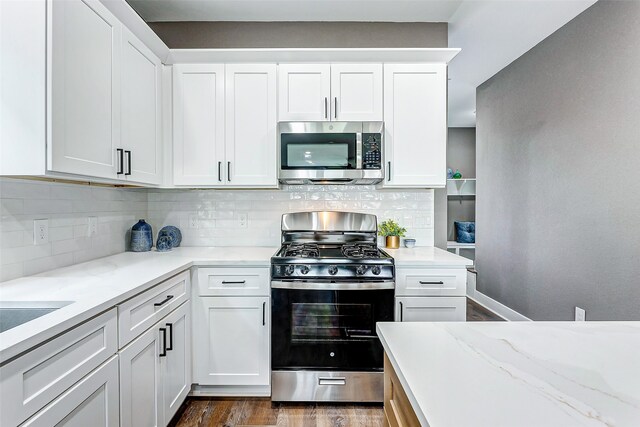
x,y
464,187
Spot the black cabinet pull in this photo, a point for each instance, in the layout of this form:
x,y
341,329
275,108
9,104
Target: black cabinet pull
x,y
229,171
264,313
163,302
232,282
325,108
439,282
389,168
335,107
120,152
401,310
128,153
219,171
163,353
170,346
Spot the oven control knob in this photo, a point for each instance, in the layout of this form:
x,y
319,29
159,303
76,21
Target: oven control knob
x,y
333,270
288,270
375,269
360,270
304,269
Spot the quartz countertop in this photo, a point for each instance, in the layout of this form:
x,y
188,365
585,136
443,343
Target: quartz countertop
x,y
97,285
525,374
427,256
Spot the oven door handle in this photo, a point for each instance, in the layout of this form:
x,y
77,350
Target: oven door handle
x,y
324,286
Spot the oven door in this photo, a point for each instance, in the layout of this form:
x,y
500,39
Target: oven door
x,y
328,329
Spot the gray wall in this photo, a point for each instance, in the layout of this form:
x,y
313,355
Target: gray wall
x,y
301,34
558,170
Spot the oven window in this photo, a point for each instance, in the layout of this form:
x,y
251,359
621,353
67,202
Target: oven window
x,y
318,150
331,322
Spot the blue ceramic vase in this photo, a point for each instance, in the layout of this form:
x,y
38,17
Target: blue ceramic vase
x,y
141,237
173,232
164,243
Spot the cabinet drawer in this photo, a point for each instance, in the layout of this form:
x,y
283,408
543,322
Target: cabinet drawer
x,y
233,282
431,282
141,312
431,309
33,380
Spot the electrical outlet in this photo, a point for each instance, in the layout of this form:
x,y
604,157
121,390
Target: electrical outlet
x,y
40,231
93,226
242,220
581,314
193,221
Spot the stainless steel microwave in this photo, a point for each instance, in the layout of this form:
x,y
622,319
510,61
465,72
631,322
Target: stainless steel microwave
x,y
330,152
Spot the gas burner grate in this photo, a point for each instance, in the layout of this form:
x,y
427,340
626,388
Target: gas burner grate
x,y
360,250
302,250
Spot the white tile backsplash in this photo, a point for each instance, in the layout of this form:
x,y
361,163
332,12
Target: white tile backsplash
x,y
68,207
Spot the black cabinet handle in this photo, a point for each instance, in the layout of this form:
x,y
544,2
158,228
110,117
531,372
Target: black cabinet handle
x,y
163,353
219,171
264,313
163,302
120,152
128,153
170,346
389,168
325,108
335,107
401,311
229,171
439,282
231,282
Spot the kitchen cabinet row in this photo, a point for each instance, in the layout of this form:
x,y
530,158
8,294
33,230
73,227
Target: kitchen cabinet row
x,y
111,111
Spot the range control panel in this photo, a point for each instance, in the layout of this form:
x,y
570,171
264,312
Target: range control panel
x,y
371,151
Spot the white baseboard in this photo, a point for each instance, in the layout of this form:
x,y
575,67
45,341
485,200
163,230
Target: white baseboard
x,y
498,308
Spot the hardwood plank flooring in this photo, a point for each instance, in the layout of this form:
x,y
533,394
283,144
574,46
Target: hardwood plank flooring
x,y
241,412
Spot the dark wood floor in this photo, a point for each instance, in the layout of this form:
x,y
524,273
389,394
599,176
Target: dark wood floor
x,y
237,412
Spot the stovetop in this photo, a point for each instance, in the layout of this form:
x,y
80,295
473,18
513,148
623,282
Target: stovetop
x,y
320,252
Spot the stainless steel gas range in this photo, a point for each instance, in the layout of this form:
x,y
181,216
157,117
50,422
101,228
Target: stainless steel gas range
x,y
330,284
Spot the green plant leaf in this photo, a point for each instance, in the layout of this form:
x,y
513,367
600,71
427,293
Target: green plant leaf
x,y
391,228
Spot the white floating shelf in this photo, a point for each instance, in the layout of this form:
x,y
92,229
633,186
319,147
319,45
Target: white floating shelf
x,y
461,187
317,55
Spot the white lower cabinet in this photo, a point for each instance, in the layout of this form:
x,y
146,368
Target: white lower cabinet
x,y
155,371
233,345
431,309
93,401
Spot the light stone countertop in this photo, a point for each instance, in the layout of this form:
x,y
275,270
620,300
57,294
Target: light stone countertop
x,y
524,374
426,256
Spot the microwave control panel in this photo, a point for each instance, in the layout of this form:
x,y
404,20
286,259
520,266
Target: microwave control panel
x,y
371,151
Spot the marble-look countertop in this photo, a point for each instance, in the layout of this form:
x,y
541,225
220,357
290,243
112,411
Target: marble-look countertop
x,y
427,256
518,374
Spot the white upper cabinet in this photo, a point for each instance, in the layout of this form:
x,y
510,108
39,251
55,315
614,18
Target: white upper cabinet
x,y
198,124
415,113
141,136
304,92
356,91
323,92
251,125
85,88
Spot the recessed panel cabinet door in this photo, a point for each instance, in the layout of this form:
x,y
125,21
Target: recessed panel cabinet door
x,y
141,131
415,114
198,124
233,341
356,91
85,88
251,125
304,92
431,309
176,367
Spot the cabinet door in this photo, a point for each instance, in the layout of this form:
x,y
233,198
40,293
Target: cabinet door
x,y
304,92
93,401
415,113
251,125
140,115
233,344
85,88
176,367
141,381
198,124
356,91
431,309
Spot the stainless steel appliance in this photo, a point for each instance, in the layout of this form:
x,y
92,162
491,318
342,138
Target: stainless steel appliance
x,y
330,284
330,152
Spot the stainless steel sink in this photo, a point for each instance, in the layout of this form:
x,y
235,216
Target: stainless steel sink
x,y
15,313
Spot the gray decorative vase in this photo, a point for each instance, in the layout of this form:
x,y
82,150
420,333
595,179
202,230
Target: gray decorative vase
x,y
141,237
164,243
173,232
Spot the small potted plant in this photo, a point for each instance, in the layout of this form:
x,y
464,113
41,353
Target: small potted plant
x,y
393,232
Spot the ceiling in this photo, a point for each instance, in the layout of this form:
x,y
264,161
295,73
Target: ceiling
x,y
491,33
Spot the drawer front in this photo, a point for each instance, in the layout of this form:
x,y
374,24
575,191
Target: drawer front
x,y
432,282
431,309
233,281
33,380
141,312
